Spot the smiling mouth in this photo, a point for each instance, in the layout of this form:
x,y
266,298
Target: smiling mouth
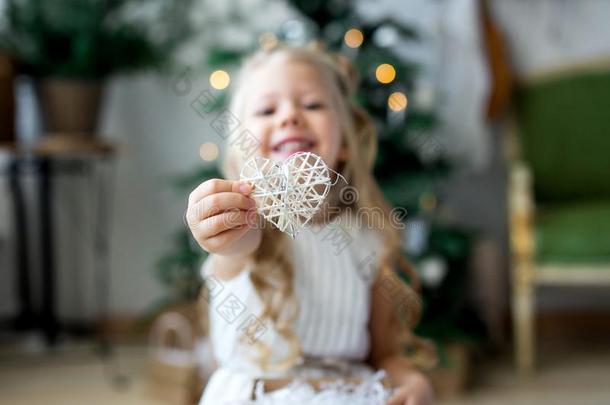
x,y
293,145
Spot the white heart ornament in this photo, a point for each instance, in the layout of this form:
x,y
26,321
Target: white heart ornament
x,y
290,193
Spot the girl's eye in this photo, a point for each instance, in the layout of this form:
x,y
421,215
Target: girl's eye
x,y
314,106
265,111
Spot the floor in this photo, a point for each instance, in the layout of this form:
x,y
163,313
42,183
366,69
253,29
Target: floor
x,y
577,373
568,373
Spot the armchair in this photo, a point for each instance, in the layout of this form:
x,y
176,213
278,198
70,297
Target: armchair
x,y
558,192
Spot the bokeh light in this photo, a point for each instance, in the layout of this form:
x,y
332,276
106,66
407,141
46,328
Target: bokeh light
x,y
427,201
353,38
397,101
220,79
208,151
385,73
268,41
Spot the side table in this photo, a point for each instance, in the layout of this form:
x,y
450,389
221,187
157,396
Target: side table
x,y
52,155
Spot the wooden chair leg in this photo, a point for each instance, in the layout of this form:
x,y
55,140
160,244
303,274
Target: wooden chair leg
x,y
523,320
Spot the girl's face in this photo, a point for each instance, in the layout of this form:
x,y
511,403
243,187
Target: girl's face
x,y
289,108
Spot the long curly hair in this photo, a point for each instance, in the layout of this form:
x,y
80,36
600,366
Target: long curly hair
x,y
272,272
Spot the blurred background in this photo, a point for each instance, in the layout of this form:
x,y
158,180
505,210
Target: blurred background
x,y
494,135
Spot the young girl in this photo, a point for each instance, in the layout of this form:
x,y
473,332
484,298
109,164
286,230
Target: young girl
x,y
282,309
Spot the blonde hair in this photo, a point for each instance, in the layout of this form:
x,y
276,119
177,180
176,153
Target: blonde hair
x,y
272,272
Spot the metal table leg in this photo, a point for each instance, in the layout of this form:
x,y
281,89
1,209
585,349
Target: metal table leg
x,y
45,195
25,318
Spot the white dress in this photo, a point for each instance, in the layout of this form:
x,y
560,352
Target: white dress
x,y
334,269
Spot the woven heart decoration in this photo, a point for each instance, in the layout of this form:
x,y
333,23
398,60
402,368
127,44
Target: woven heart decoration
x,y
290,193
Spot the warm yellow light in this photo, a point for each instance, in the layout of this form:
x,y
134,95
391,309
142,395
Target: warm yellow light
x,y
385,73
208,151
268,41
353,38
427,201
219,79
397,101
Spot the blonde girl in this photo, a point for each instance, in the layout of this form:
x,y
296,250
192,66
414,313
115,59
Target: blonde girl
x,y
282,308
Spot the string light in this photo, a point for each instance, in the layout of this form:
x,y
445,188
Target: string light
x,y
353,38
208,151
219,79
397,101
268,41
427,201
385,73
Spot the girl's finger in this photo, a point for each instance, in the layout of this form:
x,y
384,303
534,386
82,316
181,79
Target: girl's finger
x,y
214,186
216,224
397,398
225,238
217,203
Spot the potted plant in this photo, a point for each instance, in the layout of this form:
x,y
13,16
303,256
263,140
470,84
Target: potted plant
x,y
72,46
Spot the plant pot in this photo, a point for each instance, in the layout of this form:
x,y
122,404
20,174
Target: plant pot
x,y
7,99
449,381
70,106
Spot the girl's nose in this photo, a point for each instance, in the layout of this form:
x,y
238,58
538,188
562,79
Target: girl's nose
x,y
290,117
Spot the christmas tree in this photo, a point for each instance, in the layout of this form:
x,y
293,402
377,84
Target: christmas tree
x,y
409,166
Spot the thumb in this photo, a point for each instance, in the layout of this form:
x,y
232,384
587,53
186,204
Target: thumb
x,y
397,398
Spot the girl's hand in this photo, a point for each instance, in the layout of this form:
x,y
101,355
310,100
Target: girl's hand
x,y
219,214
416,390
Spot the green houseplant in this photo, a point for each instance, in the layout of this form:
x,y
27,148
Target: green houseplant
x,y
72,46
